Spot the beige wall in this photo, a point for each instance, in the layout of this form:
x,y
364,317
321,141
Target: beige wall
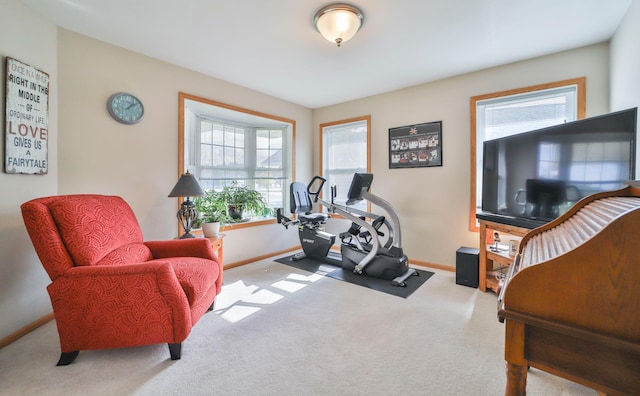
x,y
140,162
625,61
433,203
89,152
23,297
625,65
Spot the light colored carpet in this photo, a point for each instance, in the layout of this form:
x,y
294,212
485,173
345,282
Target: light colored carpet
x,y
277,330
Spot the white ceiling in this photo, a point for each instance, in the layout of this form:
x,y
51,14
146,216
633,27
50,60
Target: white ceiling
x,y
273,47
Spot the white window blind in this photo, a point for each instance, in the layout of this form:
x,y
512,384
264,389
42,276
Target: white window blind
x,y
344,152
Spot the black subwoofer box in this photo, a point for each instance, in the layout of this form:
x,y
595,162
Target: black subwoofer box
x,y
467,261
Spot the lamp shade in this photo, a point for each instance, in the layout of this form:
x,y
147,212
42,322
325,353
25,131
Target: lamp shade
x,y
187,186
338,23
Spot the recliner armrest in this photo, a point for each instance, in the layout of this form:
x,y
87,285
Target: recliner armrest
x,y
193,247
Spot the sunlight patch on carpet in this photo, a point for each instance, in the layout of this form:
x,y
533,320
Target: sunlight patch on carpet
x,y
290,287
264,297
325,269
305,278
237,313
234,293
238,301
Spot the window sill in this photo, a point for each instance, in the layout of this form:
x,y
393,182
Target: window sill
x,y
256,221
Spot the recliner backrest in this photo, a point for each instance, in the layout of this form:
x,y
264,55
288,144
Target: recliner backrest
x,y
83,229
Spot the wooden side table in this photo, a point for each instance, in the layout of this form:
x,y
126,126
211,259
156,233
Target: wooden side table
x,y
216,244
488,258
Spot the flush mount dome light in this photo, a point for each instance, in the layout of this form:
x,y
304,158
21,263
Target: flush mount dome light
x,y
339,22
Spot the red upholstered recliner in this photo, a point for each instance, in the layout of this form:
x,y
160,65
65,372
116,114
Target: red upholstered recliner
x,y
110,289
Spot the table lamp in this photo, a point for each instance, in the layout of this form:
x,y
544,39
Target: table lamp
x,y
187,186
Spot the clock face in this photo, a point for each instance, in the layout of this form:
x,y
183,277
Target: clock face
x,y
125,108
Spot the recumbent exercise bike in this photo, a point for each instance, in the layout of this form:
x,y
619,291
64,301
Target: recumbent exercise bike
x,y
361,249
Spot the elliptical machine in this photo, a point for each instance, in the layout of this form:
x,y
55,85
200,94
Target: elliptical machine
x,y
361,250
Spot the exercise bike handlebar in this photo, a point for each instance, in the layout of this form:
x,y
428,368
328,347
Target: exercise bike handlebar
x,y
315,193
394,221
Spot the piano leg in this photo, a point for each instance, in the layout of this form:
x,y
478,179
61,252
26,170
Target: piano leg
x,y
516,364
516,380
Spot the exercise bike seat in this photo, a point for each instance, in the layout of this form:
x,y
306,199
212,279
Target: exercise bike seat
x,y
313,218
301,205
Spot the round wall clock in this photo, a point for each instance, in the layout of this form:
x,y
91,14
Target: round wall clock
x,y
125,108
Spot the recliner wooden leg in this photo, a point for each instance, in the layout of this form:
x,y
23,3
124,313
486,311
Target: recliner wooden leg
x,y
176,351
66,358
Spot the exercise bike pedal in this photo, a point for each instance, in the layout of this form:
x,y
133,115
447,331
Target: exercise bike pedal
x,y
298,256
400,280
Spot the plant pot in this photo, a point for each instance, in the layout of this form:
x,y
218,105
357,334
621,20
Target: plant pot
x,y
211,229
235,211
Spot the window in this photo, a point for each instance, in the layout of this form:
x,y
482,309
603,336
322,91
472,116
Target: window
x,y
345,151
221,144
511,112
252,156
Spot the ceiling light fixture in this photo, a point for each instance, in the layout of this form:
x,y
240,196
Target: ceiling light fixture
x,y
338,22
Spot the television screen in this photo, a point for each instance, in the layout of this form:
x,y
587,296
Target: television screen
x,y
537,176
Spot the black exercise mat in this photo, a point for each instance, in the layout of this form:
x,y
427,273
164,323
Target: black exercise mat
x,y
385,286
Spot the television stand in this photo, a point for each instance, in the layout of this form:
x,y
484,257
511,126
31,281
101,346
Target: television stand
x,y
491,260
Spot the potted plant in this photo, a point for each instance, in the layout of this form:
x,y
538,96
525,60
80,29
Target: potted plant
x,y
213,212
242,198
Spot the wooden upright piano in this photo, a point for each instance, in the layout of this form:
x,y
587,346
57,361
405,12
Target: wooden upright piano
x,y
571,298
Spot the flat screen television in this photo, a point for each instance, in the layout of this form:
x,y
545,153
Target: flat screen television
x,y
531,178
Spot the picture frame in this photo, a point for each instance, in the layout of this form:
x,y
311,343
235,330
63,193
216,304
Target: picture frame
x,y
415,146
26,119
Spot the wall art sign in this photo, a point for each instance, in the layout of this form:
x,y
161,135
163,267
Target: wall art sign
x,y
27,119
415,146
